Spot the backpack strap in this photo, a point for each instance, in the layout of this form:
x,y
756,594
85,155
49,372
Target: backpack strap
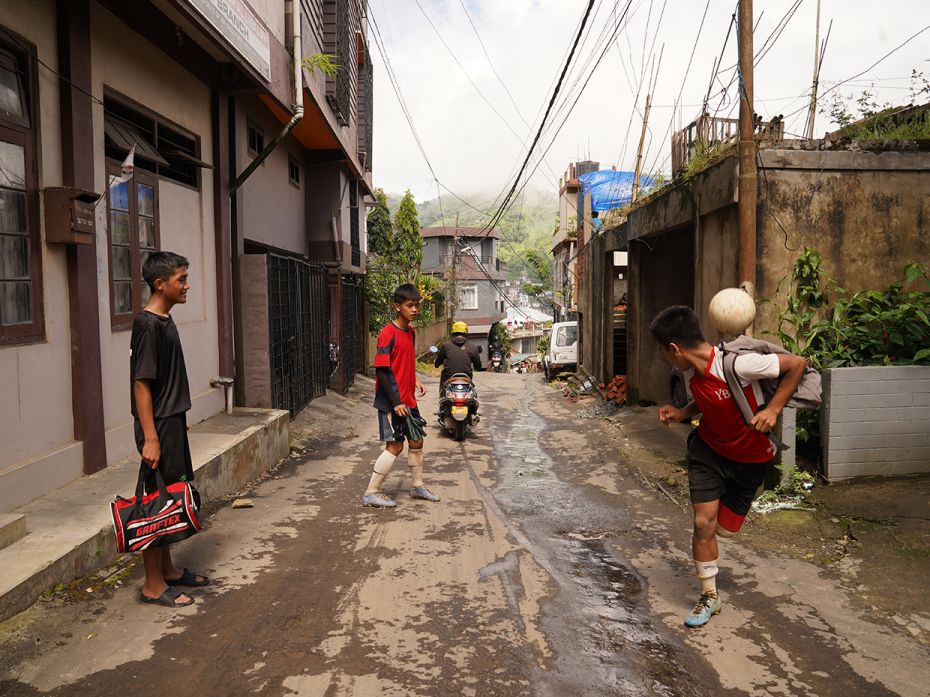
x,y
736,391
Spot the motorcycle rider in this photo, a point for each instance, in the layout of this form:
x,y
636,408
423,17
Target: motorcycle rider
x,y
458,355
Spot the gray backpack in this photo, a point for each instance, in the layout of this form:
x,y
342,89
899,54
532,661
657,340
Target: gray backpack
x,y
807,396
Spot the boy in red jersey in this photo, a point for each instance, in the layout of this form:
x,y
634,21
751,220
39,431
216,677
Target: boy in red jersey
x,y
396,391
726,457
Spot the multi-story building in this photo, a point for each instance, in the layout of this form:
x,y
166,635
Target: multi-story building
x,y
466,258
565,241
255,169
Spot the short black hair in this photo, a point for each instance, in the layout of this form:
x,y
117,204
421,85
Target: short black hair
x,y
162,265
405,292
678,324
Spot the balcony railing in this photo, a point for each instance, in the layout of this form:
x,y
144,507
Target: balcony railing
x,y
708,131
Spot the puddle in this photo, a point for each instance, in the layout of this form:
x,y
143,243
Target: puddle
x,y
605,641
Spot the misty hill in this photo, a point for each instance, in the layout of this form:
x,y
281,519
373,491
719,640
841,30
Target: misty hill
x,y
528,225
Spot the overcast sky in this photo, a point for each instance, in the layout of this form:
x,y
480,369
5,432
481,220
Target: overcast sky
x,y
473,150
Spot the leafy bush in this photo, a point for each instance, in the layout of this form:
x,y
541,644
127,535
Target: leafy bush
x,y
833,328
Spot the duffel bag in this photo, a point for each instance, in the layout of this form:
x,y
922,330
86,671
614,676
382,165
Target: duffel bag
x,y
160,518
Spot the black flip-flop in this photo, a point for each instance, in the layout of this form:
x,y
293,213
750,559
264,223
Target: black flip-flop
x,y
189,578
168,598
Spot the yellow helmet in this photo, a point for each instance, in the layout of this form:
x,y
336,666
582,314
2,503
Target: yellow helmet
x,y
459,328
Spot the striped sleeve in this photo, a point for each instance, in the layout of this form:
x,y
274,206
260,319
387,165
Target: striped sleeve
x,y
384,349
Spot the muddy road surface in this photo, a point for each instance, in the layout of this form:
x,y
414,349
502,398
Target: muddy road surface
x,y
550,568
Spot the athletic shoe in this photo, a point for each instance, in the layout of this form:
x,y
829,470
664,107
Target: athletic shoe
x,y
421,492
378,500
707,607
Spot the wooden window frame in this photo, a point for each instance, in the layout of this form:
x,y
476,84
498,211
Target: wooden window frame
x,y
123,321
159,121
22,132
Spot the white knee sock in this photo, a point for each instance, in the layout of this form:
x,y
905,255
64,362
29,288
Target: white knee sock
x,y
382,467
415,460
707,574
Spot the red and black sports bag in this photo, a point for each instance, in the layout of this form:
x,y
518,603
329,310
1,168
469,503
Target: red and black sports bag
x,y
161,518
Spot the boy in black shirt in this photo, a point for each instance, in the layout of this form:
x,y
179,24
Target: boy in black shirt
x,y
160,398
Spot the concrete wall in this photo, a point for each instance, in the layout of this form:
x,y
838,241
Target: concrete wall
x,y
268,193
867,213
876,421
39,452
36,423
185,223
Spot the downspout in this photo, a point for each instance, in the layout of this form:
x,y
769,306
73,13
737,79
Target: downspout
x,y
298,107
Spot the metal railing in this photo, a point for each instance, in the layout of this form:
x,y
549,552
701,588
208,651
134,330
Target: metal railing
x,y
708,131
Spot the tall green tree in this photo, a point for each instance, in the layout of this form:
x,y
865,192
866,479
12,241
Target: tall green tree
x,y
408,244
380,228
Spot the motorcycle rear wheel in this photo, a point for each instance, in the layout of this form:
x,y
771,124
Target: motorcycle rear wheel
x,y
459,432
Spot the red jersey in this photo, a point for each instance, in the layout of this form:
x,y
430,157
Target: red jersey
x,y
722,426
397,351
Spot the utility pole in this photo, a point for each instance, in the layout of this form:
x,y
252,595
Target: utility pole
x,y
639,152
747,155
453,302
812,112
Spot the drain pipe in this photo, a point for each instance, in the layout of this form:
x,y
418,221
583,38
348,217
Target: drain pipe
x,y
298,107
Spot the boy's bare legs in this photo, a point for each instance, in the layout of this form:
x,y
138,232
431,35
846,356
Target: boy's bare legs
x,y
704,549
154,585
169,571
704,538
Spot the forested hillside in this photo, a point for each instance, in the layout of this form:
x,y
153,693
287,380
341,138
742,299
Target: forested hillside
x,y
526,229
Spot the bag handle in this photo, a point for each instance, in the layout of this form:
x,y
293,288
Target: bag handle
x,y
736,391
159,482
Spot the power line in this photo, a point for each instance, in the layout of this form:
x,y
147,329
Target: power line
x,y
542,124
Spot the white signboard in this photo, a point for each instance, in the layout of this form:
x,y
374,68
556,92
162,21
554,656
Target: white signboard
x,y
240,26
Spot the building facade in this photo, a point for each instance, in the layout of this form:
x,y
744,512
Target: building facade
x,y
466,258
199,89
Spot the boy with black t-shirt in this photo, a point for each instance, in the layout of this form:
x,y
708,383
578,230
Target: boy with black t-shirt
x,y
160,397
726,457
396,390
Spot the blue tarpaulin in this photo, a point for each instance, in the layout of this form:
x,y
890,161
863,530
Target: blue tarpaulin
x,y
610,189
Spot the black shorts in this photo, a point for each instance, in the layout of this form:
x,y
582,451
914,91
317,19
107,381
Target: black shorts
x,y
393,428
712,476
175,464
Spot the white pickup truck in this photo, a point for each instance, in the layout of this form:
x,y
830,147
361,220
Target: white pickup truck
x,y
562,353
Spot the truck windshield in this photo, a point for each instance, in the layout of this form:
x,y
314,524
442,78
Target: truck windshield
x,y
566,336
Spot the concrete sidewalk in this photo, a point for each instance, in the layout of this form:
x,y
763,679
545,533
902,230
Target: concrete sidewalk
x,y
69,532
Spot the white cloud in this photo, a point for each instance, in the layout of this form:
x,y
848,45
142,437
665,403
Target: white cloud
x,y
473,151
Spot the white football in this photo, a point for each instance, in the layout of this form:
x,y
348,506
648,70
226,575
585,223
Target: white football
x,y
732,310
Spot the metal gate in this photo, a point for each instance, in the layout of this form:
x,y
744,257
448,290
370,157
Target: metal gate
x,y
352,336
299,316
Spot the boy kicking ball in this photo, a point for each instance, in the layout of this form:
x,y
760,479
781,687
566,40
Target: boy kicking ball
x,y
726,457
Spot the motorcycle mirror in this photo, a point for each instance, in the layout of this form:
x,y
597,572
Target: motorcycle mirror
x,y
433,349
480,349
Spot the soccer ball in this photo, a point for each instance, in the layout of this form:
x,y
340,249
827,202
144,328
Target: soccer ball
x,y
732,310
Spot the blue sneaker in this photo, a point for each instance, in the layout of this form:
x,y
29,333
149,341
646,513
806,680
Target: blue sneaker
x,y
707,607
378,500
421,492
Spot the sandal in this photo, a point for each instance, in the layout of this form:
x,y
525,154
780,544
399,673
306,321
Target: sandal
x,y
168,599
189,578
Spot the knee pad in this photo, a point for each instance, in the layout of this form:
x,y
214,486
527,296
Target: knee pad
x,y
728,522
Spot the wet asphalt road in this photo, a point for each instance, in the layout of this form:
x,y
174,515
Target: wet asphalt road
x,y
539,573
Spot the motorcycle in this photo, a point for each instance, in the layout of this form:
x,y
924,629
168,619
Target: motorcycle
x,y
458,406
497,361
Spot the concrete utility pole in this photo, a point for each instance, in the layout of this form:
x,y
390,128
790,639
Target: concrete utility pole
x,y
747,155
639,152
812,113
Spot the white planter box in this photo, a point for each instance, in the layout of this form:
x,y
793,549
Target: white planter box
x,y
876,421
